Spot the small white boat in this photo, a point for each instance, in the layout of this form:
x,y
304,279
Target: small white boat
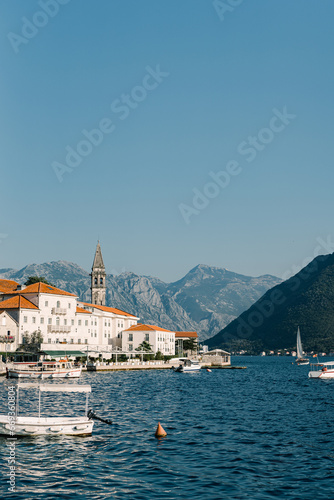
x,y
300,353
44,369
14,425
188,365
323,371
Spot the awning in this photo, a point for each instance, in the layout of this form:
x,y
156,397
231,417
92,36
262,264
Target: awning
x,y
64,353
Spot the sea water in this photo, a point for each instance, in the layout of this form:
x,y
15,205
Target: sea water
x,y
265,432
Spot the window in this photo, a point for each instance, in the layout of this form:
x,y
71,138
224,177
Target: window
x,y
105,335
147,337
86,341
130,337
109,324
92,334
79,322
72,322
71,341
130,347
95,334
95,323
58,303
33,319
46,303
79,341
49,321
65,321
101,281
86,322
42,321
64,341
25,319
69,305
95,281
49,341
57,321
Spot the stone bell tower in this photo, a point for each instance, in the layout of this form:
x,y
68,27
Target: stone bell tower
x,y
98,279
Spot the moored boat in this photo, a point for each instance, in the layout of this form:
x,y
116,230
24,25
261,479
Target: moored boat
x,y
15,425
188,365
323,371
44,369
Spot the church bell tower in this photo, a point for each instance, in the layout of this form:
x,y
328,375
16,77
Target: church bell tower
x,y
98,279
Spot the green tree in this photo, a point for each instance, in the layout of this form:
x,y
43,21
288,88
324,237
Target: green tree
x,y
32,342
144,346
189,345
37,279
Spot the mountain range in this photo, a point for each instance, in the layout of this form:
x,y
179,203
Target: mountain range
x,y
205,300
305,300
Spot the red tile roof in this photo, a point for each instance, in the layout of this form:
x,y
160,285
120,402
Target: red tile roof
x,y
81,310
17,302
43,288
186,334
8,285
109,309
144,328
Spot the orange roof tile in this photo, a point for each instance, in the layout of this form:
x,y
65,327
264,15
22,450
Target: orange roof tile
x,y
141,327
8,285
109,309
186,334
43,288
17,302
80,310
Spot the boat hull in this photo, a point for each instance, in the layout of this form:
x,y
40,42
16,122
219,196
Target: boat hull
x,y
46,426
45,374
329,374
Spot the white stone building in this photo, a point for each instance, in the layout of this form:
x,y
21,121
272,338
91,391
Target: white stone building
x,y
159,338
61,319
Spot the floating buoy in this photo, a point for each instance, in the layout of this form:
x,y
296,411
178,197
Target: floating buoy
x,y
160,432
208,370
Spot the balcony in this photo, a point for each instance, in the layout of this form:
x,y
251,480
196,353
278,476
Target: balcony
x,y
58,310
6,339
59,329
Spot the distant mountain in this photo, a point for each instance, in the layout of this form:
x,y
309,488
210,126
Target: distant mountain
x,y
305,300
205,300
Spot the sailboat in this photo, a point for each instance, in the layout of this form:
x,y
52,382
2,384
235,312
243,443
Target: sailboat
x,y
300,354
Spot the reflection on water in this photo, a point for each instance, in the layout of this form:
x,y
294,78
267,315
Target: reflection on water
x,y
261,433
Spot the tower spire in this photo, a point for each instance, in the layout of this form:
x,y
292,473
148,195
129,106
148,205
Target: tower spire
x,y
98,279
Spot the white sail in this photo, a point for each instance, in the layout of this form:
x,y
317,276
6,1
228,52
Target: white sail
x,y
299,345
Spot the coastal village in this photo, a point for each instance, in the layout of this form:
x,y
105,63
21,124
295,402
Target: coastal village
x,y
71,328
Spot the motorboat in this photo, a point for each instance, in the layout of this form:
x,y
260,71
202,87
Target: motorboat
x,y
43,369
301,360
188,365
323,371
13,424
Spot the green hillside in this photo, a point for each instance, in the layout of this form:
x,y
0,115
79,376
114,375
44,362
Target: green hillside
x,y
305,300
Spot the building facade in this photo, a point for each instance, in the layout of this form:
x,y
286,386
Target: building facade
x,y
160,339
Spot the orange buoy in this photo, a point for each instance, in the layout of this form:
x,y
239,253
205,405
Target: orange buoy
x,y
208,370
160,432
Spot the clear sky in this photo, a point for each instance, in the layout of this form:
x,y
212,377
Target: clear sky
x,y
179,89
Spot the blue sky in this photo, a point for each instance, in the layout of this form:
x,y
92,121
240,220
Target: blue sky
x,y
222,78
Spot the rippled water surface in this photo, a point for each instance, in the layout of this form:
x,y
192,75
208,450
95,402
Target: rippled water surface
x,y
261,433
